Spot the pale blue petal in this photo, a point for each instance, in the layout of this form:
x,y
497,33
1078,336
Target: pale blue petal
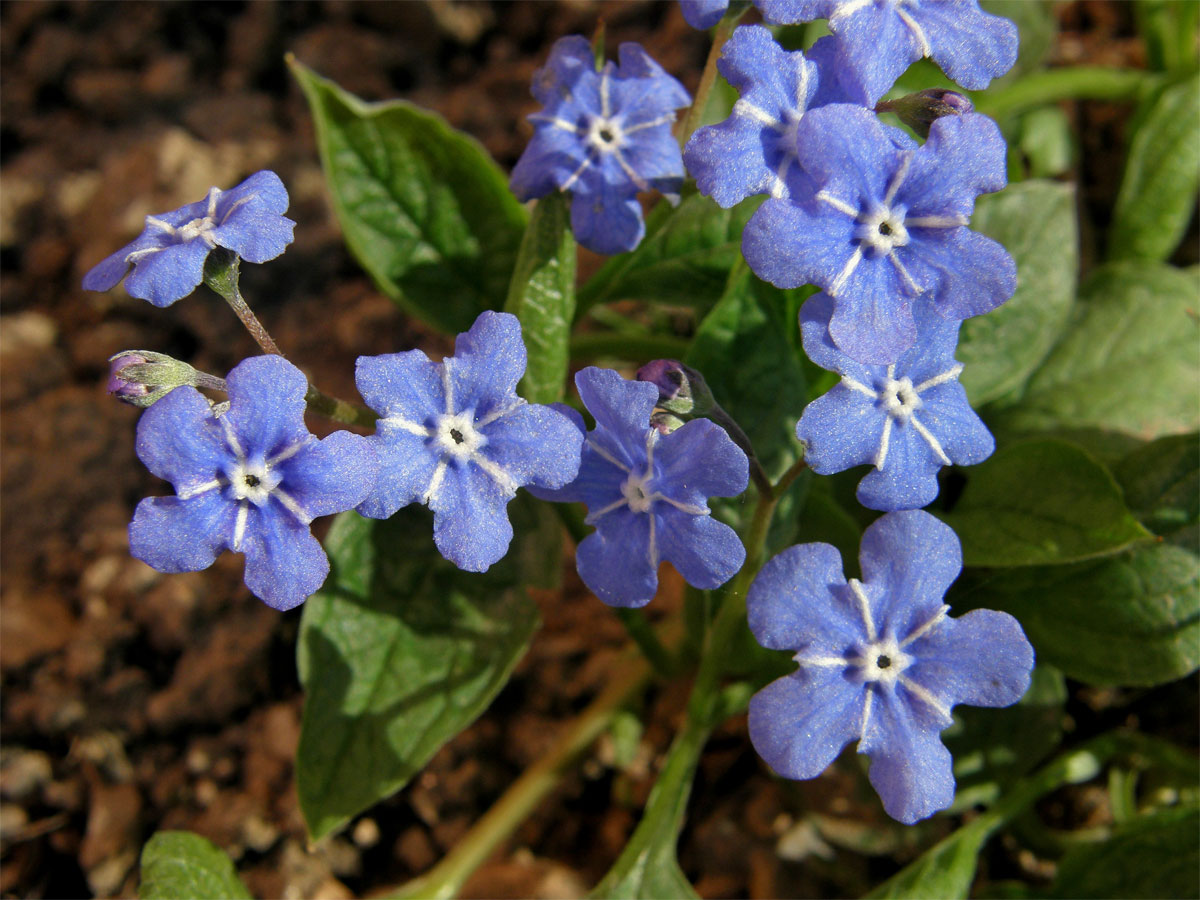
x,y
790,12
262,191
331,475
571,492
406,467
948,415
178,440
552,156
254,234
168,275
707,553
636,63
965,156
535,445
876,47
908,561
847,152
488,361
703,14
699,460
110,270
285,564
982,658
571,60
908,479
406,385
933,353
820,348
840,429
619,407
728,161
910,767
971,46
799,724
654,154
266,405
173,535
789,244
973,274
873,320
605,219
598,483
615,562
470,518
798,601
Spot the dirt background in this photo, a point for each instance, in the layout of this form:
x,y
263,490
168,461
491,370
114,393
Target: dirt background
x,y
133,701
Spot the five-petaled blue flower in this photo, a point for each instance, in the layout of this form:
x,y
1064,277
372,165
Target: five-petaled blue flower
x,y
168,256
907,419
604,136
880,661
886,224
249,477
455,436
878,39
647,494
754,150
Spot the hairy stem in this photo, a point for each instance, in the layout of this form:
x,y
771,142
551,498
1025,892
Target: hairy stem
x,y
221,271
338,410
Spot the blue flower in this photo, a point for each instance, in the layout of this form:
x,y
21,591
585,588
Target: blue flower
x,y
880,661
168,256
907,419
754,150
885,224
703,14
249,477
604,136
647,494
455,436
878,39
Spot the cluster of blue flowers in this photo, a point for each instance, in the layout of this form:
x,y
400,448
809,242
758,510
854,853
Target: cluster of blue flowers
x,y
854,206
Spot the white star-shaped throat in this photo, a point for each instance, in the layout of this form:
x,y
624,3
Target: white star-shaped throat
x,y
900,399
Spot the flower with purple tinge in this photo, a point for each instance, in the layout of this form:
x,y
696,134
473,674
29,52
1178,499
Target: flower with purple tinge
x,y
907,419
168,256
878,39
703,14
754,150
455,436
884,225
248,476
604,136
647,494
880,660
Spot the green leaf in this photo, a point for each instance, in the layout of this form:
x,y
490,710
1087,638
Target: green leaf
x,y
945,871
684,259
1041,501
423,208
1035,21
181,864
1129,362
747,350
647,868
1036,223
542,296
1161,481
1162,174
398,653
1156,855
1169,29
1130,620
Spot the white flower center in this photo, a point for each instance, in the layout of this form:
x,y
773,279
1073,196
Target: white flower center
x,y
456,435
605,134
253,481
900,398
882,660
634,491
196,228
882,228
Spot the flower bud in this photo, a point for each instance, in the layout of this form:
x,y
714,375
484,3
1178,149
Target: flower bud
x,y
143,377
919,111
681,389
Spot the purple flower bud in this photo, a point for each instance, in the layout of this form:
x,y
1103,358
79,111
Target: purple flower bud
x,y
681,389
920,110
143,377
119,384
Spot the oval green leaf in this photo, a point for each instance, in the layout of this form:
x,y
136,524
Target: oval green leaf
x,y
182,864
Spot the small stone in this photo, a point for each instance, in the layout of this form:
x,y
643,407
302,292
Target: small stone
x,y
13,820
23,773
366,833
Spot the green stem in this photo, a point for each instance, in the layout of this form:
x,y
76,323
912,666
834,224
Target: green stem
x,y
446,879
589,346
221,271
708,78
1074,83
338,410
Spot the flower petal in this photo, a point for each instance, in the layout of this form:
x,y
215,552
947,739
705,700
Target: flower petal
x,y
819,346
470,518
982,658
699,460
840,429
971,46
285,564
908,559
707,553
615,562
406,385
168,275
606,219
797,601
790,244
800,723
331,475
266,405
173,535
949,417
908,479
179,441
406,467
620,407
535,445
703,14
965,156
967,274
910,767
488,361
